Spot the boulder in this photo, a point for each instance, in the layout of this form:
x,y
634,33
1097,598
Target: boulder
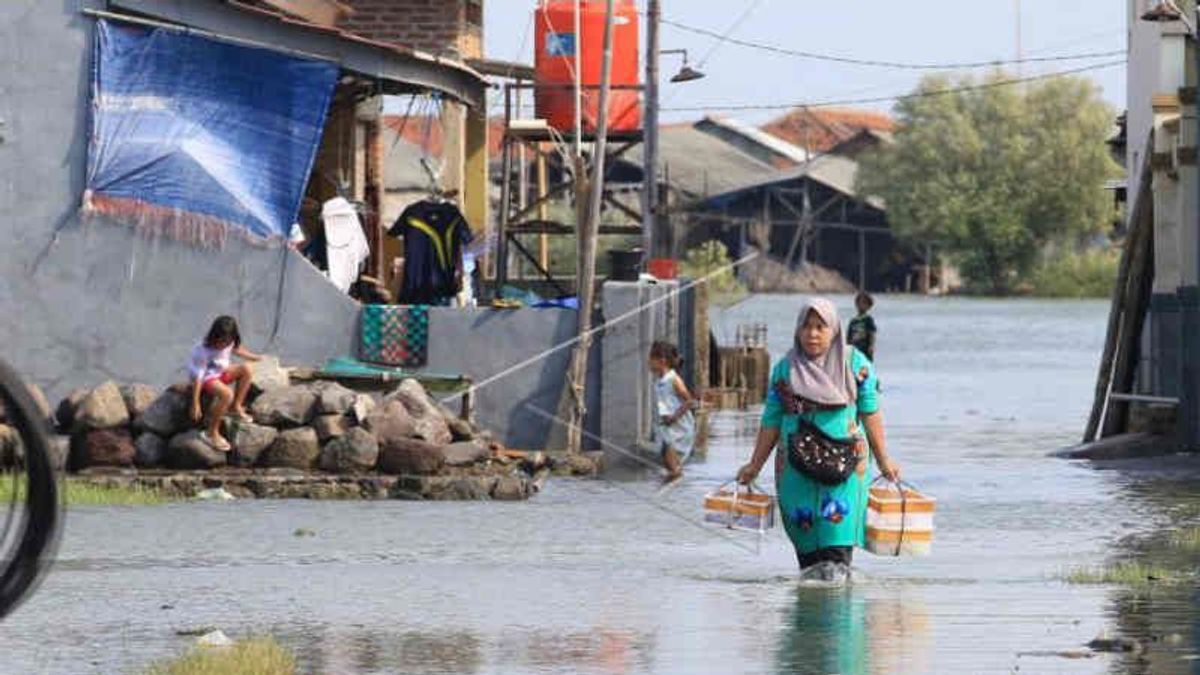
x,y
267,375
40,404
150,450
428,423
293,449
12,449
330,426
410,456
333,398
102,447
138,398
65,413
362,407
355,452
390,422
102,408
510,489
189,451
248,440
465,453
167,416
460,429
287,407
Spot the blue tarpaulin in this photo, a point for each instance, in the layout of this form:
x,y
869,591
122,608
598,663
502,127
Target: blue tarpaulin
x,y
193,136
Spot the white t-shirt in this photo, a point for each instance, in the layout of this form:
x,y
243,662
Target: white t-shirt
x,y
207,363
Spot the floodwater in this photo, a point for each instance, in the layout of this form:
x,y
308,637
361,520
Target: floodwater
x,y
611,577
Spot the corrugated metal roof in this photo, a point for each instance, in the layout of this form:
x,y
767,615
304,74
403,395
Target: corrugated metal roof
x,y
701,164
773,143
833,171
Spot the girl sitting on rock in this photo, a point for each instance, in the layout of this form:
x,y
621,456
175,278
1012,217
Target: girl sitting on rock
x,y
212,373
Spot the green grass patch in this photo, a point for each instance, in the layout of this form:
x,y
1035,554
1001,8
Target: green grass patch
x,y
1187,538
83,493
254,656
1090,274
1127,573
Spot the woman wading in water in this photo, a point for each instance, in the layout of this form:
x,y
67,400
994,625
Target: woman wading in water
x,y
822,398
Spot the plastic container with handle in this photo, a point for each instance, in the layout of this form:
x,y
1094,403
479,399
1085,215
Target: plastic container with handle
x,y
899,519
744,507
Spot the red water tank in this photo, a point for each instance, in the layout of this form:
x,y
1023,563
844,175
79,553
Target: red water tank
x,y
554,62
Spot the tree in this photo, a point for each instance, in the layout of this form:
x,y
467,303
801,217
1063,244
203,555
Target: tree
x,y
994,173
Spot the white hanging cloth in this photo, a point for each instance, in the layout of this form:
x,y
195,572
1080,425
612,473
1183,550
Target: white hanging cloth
x,y
346,244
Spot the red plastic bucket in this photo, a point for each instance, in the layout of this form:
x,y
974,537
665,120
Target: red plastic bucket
x,y
663,268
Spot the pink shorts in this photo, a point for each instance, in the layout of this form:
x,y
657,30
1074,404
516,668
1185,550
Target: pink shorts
x,y
224,378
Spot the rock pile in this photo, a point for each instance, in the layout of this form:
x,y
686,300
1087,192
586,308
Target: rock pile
x,y
317,426
299,438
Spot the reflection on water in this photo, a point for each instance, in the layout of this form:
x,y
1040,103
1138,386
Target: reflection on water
x,y
1163,615
589,578
840,630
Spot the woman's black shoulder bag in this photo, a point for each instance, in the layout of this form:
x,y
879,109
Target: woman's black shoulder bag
x,y
813,452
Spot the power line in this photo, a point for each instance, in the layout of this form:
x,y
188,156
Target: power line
x,y
888,64
900,97
725,37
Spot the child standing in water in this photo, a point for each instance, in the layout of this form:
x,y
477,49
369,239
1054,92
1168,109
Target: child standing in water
x,y
674,425
212,373
860,333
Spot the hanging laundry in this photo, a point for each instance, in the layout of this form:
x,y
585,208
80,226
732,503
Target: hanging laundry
x,y
346,245
434,233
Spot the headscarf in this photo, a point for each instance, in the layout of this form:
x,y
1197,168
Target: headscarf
x,y
825,379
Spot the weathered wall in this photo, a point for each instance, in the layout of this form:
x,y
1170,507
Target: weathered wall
x,y
483,343
82,303
439,26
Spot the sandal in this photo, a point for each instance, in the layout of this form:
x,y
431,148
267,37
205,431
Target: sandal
x,y
217,443
242,416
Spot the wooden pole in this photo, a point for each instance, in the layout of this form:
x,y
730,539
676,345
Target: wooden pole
x,y
1128,350
543,185
862,259
587,249
1113,332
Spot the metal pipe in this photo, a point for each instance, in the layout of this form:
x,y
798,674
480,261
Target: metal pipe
x,y
1145,398
576,47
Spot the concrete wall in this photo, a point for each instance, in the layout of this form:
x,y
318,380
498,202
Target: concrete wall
x,y
85,302
1141,85
483,343
626,385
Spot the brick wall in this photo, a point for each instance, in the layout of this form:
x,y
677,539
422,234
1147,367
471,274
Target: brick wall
x,y
450,27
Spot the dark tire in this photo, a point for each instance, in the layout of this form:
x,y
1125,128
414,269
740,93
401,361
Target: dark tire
x,y
31,526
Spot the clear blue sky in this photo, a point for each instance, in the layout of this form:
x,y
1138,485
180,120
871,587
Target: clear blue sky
x,y
937,31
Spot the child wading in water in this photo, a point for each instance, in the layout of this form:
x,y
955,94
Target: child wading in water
x,y
212,373
674,425
860,333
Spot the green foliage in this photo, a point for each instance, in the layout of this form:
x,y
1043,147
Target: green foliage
x,y
992,175
1127,573
1187,538
1090,274
81,493
258,656
712,258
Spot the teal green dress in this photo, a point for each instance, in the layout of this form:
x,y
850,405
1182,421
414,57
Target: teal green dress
x,y
818,516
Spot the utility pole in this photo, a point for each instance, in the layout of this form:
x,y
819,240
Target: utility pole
x,y
650,123
1020,50
587,248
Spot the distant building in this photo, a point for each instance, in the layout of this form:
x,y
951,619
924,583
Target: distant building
x,y
819,130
